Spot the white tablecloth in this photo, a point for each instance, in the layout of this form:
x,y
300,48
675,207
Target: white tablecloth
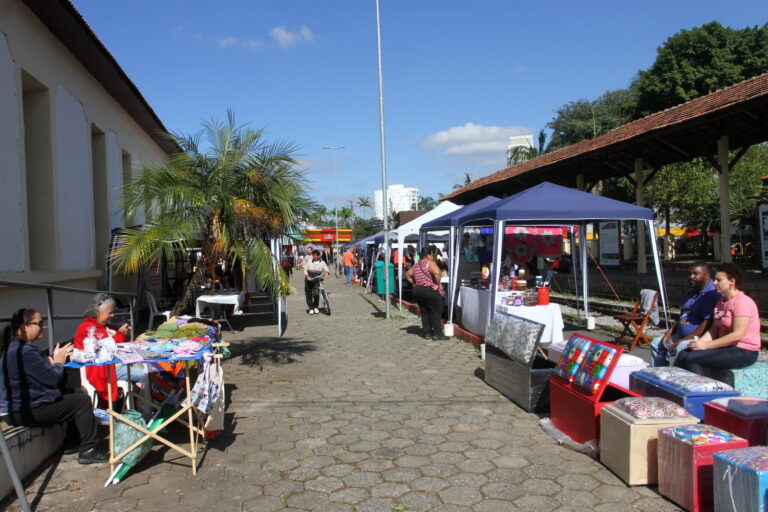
x,y
474,308
234,299
548,315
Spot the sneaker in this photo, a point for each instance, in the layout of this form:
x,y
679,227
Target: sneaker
x,y
317,311
311,311
440,337
92,456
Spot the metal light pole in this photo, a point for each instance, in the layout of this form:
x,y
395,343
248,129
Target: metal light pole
x,y
335,210
385,210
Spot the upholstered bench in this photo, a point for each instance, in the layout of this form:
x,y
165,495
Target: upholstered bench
x,y
745,416
741,479
681,386
752,380
685,463
629,431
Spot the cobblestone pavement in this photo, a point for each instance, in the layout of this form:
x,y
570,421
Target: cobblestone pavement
x,y
352,412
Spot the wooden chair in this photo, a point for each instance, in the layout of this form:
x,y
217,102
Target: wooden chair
x,y
634,323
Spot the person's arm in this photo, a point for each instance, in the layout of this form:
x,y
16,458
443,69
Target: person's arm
x,y
39,368
738,330
326,270
698,332
409,275
435,271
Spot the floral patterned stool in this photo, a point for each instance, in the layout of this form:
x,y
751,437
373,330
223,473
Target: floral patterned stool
x,y
752,380
629,430
741,479
680,386
685,463
745,416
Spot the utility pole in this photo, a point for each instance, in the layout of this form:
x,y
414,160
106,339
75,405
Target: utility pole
x,y
385,213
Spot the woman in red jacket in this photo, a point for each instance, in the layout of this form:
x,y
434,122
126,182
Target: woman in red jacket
x,y
97,316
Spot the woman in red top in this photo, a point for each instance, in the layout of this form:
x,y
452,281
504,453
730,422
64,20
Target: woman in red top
x,y
428,292
97,316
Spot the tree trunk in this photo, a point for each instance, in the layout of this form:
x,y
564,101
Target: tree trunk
x,y
194,284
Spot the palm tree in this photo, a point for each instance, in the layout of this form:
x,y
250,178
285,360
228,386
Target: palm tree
x,y
318,215
364,202
467,181
230,198
345,214
426,203
520,154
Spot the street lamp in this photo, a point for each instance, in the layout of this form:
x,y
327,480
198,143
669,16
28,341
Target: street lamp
x,y
385,212
335,211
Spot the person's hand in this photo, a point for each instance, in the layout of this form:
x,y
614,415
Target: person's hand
x,y
698,344
60,354
124,329
667,336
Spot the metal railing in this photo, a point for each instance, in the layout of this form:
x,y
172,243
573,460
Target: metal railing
x,y
51,316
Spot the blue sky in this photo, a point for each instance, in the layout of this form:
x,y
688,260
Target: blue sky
x,y
459,76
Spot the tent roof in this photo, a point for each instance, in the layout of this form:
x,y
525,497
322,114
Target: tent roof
x,y
548,202
452,219
364,240
413,227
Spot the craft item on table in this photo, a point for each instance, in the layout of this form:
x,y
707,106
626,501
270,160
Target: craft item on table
x,y
681,386
129,356
573,354
82,356
106,350
685,462
188,347
629,431
206,391
745,416
741,479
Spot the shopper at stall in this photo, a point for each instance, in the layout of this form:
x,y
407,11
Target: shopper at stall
x,y
734,339
695,316
428,292
96,324
313,270
30,385
350,261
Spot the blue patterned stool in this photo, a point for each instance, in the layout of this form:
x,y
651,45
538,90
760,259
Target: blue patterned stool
x,y
752,380
741,479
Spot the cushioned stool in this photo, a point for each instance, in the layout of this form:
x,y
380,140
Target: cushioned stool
x,y
681,386
741,479
745,416
629,430
752,380
685,463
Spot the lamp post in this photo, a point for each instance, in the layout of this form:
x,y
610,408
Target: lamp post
x,y
335,210
385,212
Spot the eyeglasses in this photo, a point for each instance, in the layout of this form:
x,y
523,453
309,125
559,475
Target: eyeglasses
x,y
40,324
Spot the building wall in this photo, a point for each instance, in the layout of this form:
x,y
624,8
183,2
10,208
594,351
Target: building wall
x,y
66,148
399,198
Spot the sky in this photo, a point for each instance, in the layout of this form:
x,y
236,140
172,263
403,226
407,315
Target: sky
x,y
460,77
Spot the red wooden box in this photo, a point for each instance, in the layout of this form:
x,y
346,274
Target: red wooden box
x,y
575,405
744,416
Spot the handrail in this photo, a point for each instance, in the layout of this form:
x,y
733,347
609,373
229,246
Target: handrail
x,y
50,288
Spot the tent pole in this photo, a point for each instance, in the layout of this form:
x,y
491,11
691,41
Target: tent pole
x,y
573,270
584,278
399,263
454,278
659,271
498,239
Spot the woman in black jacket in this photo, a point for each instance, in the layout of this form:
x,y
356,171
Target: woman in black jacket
x,y
29,385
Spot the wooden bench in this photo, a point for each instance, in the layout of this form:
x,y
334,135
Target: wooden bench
x,y
752,380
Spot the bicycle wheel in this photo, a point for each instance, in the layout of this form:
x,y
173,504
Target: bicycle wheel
x,y
324,295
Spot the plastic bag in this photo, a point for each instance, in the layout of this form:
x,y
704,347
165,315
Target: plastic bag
x,y
126,435
591,447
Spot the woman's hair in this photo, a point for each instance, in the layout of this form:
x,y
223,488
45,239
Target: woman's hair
x,y
98,302
19,318
733,271
429,250
380,257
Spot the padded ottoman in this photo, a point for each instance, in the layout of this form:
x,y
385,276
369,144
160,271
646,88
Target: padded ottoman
x,y
685,463
681,386
629,430
744,416
628,363
741,479
752,380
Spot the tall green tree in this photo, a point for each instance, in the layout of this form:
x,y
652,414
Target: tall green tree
x,y
426,203
346,215
467,181
520,154
230,196
364,202
701,60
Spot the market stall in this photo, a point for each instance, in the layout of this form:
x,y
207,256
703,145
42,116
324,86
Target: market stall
x,y
552,206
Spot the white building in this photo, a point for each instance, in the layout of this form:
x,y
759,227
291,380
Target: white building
x,y
399,199
518,141
72,128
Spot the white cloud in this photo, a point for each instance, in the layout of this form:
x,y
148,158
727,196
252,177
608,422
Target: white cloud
x,y
178,28
474,145
236,42
287,39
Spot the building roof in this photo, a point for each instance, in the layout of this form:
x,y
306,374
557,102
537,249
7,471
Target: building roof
x,y
676,134
69,27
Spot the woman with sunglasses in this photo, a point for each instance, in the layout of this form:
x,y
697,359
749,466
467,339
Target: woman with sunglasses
x,y
29,385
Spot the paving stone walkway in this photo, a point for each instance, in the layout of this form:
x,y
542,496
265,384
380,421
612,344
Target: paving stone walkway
x,y
352,412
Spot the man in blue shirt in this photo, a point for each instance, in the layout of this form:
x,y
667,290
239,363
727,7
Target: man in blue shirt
x,y
695,316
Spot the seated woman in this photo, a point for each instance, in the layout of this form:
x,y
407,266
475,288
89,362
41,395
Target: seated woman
x,y
734,339
30,382
97,316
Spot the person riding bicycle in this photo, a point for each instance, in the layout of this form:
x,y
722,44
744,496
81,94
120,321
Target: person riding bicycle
x,y
314,271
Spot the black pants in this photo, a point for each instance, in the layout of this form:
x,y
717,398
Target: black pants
x,y
312,293
71,408
431,305
725,358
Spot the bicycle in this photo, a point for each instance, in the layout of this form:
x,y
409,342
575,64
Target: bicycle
x,y
323,295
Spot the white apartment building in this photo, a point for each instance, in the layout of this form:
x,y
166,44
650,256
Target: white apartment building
x,y
399,199
517,141
72,129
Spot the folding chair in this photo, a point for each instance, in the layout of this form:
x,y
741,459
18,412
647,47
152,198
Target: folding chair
x,y
634,323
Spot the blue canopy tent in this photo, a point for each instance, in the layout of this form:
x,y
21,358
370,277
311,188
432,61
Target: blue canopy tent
x,y
552,204
451,223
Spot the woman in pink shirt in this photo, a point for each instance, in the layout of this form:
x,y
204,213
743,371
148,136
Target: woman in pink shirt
x,y
734,339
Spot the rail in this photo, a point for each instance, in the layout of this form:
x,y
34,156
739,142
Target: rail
x,y
50,316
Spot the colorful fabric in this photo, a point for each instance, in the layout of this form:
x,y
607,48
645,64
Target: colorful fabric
x,y
593,370
700,434
516,337
573,354
684,381
754,457
650,407
749,406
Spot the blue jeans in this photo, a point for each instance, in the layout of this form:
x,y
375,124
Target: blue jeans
x,y
349,272
660,353
138,372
